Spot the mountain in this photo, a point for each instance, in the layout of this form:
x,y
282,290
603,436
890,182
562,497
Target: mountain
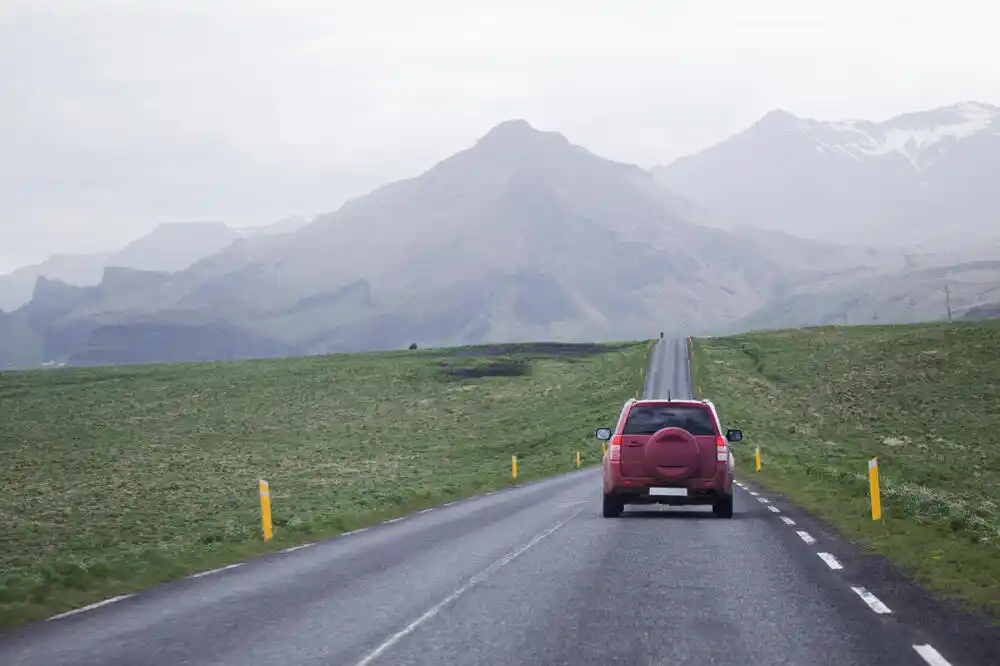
x,y
169,247
521,236
918,178
282,226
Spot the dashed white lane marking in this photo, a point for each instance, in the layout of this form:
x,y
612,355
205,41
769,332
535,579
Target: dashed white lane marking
x,y
773,509
492,492
395,520
787,520
295,548
427,510
469,584
831,561
873,602
930,655
763,500
569,504
215,571
75,611
805,536
450,503
754,493
358,531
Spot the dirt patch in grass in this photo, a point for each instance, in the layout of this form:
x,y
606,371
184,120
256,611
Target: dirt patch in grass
x,y
923,399
115,479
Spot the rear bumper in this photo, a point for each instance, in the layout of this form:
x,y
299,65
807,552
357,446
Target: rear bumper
x,y
636,490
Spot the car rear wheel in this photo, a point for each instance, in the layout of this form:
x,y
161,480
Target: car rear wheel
x,y
723,508
613,507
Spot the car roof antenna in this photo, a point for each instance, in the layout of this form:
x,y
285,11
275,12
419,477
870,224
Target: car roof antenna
x,y
668,395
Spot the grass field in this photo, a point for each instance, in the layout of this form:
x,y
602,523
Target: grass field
x,y
119,478
924,399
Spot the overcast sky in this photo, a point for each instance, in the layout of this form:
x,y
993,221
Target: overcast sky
x,y
119,114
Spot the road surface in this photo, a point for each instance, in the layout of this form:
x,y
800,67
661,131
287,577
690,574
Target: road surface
x,y
529,575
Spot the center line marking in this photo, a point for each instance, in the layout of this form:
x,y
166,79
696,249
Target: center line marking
x,y
773,509
873,602
930,655
788,521
569,504
754,493
469,584
763,500
831,561
805,536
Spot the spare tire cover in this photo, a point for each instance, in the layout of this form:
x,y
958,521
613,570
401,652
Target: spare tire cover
x,y
673,455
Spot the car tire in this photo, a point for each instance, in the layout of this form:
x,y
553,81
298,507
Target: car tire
x,y
723,508
612,507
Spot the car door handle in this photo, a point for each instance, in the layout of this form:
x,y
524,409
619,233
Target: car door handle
x,y
632,444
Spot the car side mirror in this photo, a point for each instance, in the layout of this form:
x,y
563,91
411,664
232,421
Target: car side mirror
x,y
603,434
733,435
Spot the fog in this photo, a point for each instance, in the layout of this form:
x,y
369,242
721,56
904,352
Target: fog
x,y
117,115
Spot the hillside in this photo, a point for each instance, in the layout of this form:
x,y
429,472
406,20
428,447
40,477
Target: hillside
x,y
923,177
201,435
821,402
521,236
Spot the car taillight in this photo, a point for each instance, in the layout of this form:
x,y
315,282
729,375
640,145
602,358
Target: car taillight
x,y
615,450
721,449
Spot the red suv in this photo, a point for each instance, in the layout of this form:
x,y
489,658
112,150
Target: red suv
x,y
668,452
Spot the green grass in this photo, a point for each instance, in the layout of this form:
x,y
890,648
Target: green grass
x,y
924,399
118,478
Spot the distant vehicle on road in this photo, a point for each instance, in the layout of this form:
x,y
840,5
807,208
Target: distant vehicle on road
x,y
668,452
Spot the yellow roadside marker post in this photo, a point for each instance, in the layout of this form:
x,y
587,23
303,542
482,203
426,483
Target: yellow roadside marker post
x,y
604,449
577,458
265,509
756,453
876,494
513,467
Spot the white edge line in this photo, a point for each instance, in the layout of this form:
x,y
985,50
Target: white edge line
x,y
873,602
787,520
215,571
805,536
930,655
773,509
295,548
475,580
831,561
90,607
358,531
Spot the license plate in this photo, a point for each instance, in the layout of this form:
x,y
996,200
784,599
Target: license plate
x,y
671,492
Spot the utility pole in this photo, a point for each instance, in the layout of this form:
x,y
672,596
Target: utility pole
x,y
912,303
947,300
875,316
845,319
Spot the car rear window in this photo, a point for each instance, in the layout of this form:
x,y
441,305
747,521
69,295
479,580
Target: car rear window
x,y
647,419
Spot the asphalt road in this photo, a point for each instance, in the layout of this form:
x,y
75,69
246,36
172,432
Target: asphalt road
x,y
529,575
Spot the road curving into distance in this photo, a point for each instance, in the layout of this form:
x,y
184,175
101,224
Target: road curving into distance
x,y
528,575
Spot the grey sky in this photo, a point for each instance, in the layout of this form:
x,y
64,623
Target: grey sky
x,y
116,115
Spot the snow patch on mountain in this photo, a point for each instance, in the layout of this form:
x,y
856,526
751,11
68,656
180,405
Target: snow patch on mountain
x,y
921,138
